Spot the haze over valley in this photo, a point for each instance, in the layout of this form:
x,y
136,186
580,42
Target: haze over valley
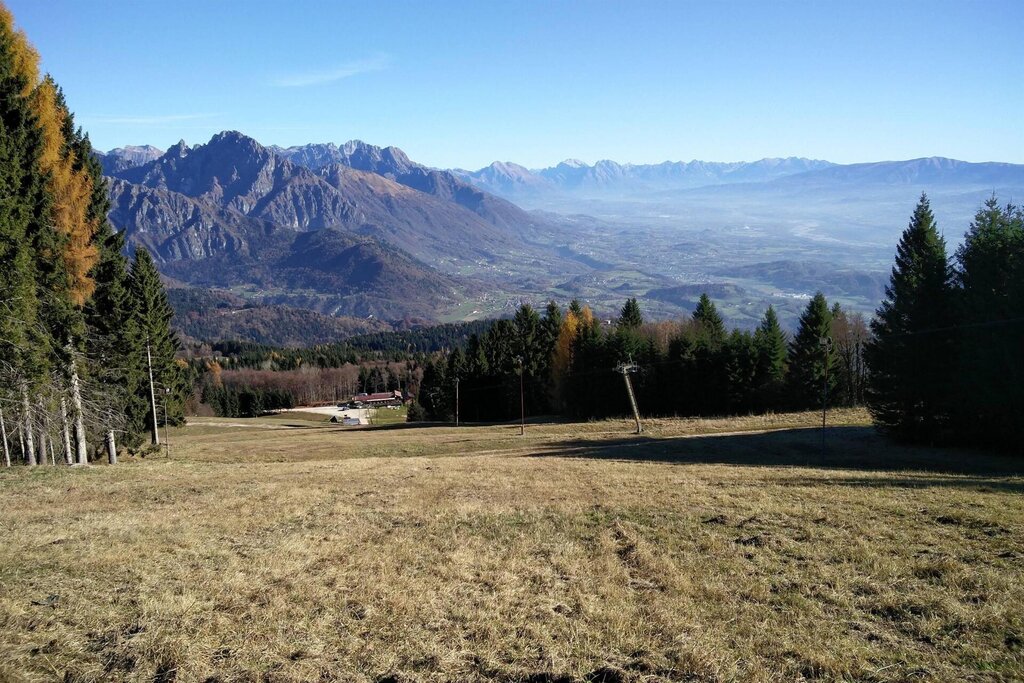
x,y
359,230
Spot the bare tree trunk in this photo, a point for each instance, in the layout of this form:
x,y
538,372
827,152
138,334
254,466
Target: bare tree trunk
x,y
152,396
66,432
76,404
53,456
21,438
26,410
111,448
3,435
42,447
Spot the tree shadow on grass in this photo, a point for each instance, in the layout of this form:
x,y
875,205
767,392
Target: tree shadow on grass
x,y
846,448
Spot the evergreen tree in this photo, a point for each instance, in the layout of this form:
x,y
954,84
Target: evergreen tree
x,y
576,308
990,375
114,344
911,352
740,370
707,317
153,316
770,366
20,189
809,361
707,378
433,396
551,325
630,316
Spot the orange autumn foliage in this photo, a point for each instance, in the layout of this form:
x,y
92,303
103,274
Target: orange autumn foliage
x,y
71,192
26,59
562,356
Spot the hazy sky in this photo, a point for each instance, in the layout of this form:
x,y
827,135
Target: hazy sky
x,y
466,83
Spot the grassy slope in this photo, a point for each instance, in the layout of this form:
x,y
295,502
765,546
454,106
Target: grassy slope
x,y
286,550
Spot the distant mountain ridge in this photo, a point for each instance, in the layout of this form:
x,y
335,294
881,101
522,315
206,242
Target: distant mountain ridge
x,y
123,158
608,176
233,212
609,179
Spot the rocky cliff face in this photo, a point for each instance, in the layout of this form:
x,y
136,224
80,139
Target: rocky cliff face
x,y
233,212
393,164
232,191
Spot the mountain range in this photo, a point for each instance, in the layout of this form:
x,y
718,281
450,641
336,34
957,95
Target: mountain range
x,y
609,177
351,233
361,230
609,180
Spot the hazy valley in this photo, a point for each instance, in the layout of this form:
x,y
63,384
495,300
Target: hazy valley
x,y
360,230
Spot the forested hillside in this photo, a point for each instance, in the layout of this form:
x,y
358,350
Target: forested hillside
x,y
82,330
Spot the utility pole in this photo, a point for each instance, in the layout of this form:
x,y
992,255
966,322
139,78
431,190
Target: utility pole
x,y
456,401
152,395
626,369
522,400
826,346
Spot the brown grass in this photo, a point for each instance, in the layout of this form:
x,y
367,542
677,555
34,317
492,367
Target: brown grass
x,y
270,552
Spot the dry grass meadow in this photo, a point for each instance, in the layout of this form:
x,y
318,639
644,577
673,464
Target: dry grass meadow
x,y
285,549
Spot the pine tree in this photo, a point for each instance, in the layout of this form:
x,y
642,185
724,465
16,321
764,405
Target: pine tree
x,y
433,396
153,317
706,315
630,316
19,186
809,361
26,299
990,372
551,325
911,352
707,376
740,370
770,367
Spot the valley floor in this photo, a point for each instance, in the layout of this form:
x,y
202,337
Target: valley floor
x,y
578,552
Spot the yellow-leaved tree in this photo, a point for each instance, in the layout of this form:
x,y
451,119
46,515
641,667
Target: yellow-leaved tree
x,y
70,188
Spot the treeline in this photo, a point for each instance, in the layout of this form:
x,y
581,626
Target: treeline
x,y
246,392
79,324
406,345
947,360
246,401
566,362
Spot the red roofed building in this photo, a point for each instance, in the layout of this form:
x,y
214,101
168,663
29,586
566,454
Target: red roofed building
x,y
385,398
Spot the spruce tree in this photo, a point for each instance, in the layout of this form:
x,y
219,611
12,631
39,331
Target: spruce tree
x,y
707,379
630,316
770,367
20,185
153,316
706,315
809,360
910,355
741,360
990,371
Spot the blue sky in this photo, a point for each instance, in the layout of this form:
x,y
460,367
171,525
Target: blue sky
x,y
466,83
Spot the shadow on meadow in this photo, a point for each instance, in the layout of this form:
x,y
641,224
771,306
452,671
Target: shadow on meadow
x,y
846,448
